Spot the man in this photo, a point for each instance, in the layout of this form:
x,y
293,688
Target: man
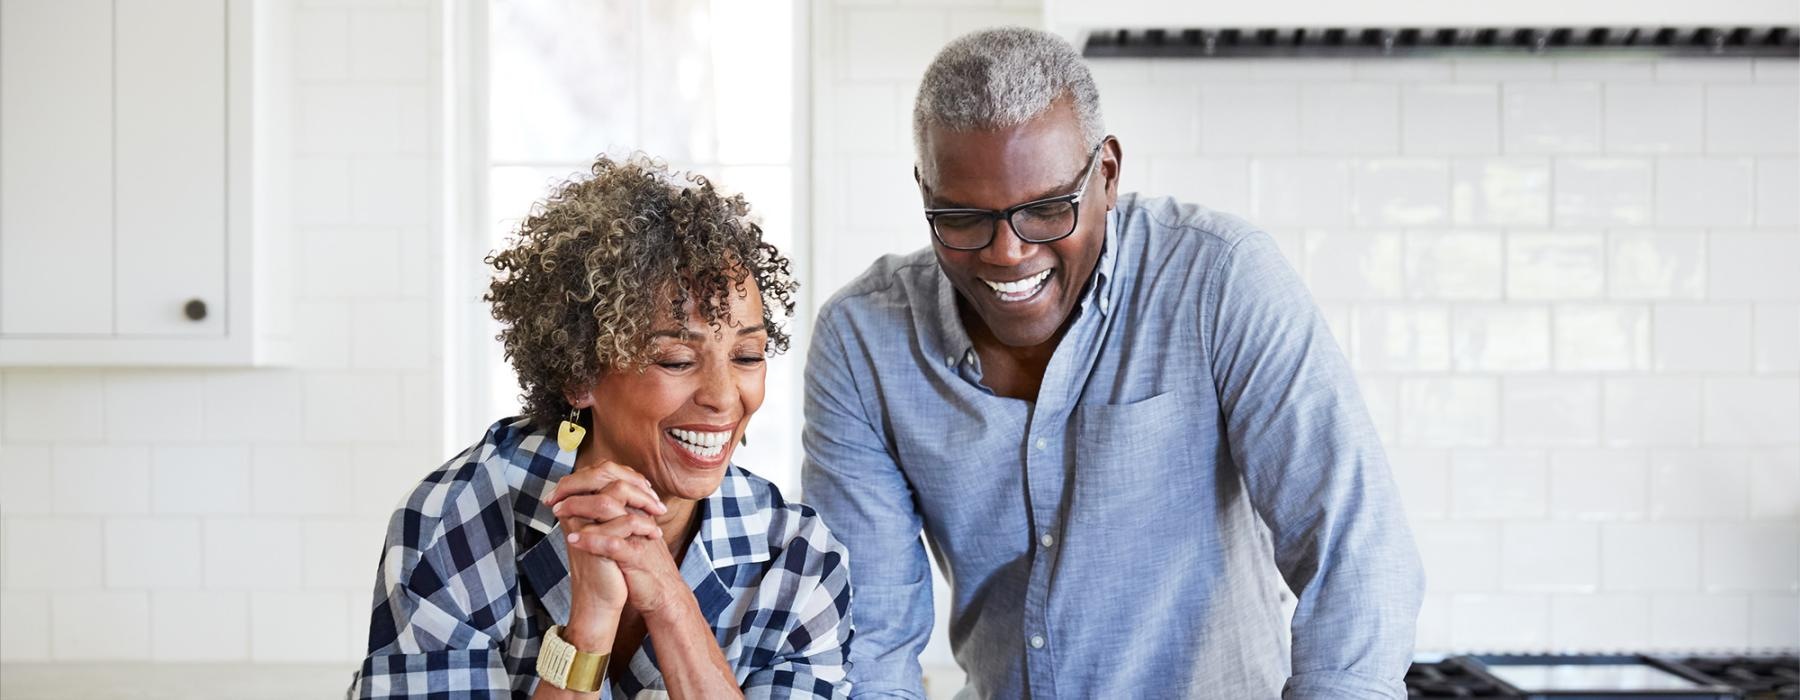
x,y
1120,422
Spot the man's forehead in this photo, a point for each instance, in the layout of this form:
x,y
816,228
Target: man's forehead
x,y
1019,168
987,155
1051,140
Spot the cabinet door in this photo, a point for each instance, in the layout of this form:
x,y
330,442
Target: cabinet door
x,y
171,166
56,167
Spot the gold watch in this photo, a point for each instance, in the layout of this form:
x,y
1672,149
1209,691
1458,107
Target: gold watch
x,y
568,668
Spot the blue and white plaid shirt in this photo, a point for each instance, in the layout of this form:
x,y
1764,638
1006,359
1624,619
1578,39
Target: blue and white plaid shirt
x,y
475,570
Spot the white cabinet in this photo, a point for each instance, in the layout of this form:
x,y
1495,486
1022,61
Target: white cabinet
x,y
135,226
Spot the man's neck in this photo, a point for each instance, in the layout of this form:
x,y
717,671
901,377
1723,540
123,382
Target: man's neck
x,y
1010,371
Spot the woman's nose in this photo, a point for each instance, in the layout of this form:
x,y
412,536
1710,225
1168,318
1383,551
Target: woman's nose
x,y
718,391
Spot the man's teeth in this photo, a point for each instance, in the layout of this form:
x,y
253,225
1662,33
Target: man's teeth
x,y
1018,286
703,445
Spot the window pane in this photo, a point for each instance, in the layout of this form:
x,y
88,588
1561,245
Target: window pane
x,y
563,79
677,82
513,189
753,65
770,190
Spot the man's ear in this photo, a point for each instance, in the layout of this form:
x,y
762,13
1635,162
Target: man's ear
x,y
1109,168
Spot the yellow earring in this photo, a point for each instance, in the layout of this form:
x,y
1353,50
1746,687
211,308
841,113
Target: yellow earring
x,y
570,433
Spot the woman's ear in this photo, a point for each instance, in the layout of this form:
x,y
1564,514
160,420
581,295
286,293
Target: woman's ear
x,y
581,399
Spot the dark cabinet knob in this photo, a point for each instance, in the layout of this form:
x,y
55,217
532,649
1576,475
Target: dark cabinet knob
x,y
195,310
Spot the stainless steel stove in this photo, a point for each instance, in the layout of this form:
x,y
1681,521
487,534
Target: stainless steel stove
x,y
1573,676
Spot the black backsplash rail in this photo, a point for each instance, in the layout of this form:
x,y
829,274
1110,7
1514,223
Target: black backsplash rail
x,y
1429,42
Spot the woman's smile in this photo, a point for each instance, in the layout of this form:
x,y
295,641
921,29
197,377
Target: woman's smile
x,y
702,446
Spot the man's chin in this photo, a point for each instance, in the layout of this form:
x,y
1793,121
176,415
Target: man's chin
x,y
1024,335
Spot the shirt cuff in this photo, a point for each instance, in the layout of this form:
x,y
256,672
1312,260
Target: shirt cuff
x,y
1345,685
883,690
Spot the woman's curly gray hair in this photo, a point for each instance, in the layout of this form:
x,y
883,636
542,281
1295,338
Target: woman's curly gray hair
x,y
593,268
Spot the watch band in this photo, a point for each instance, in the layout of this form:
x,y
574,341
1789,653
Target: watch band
x,y
568,668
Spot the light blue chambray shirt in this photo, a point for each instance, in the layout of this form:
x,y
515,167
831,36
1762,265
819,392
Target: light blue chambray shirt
x,y
1198,443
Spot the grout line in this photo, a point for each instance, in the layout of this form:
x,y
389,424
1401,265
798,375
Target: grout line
x,y
113,172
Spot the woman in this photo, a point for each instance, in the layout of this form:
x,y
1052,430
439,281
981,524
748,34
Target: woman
x,y
606,534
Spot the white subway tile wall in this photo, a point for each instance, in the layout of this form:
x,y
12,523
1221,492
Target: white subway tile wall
x,y
1568,287
233,514
1571,290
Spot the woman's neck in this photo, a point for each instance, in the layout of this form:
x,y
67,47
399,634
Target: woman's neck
x,y
679,524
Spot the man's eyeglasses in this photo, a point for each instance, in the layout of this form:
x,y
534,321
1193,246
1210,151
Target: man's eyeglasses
x,y
1037,221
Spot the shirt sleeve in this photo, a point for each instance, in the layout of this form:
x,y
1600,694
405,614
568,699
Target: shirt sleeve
x,y
814,661
1316,473
849,475
423,638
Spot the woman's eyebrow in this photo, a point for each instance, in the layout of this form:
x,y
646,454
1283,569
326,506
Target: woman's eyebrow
x,y
686,335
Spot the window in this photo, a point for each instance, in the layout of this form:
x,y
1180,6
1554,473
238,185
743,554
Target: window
x,y
707,86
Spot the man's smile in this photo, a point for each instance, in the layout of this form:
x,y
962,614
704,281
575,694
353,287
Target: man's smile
x,y
1019,290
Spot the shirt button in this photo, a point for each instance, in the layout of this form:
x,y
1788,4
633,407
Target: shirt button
x,y
1041,444
1037,642
1104,303
950,360
1047,540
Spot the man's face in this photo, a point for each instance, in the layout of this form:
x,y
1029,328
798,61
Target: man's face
x,y
1044,157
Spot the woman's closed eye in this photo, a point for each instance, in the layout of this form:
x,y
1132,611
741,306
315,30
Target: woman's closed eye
x,y
674,359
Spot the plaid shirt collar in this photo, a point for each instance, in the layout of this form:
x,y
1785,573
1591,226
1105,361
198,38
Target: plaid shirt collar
x,y
733,531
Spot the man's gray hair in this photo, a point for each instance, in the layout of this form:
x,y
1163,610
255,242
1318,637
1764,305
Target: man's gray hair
x,y
999,78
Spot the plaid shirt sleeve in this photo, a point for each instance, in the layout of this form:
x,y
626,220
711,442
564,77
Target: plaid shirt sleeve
x,y
814,656
439,581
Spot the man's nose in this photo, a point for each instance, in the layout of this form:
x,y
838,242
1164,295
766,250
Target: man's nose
x,y
1007,249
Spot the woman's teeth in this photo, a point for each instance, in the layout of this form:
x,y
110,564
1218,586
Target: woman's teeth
x,y
1018,289
702,445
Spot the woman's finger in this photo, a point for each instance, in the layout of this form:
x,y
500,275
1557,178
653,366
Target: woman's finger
x,y
595,538
617,499
636,495
598,507
574,524
594,479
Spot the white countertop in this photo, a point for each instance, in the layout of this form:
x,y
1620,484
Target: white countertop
x,y
138,680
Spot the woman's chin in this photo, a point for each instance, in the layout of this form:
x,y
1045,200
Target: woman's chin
x,y
691,476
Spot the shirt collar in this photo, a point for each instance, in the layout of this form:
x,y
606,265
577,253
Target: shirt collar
x,y
954,338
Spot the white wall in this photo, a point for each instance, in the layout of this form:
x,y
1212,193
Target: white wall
x,y
1568,287
238,514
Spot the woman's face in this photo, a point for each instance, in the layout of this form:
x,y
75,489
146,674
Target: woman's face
x,y
678,419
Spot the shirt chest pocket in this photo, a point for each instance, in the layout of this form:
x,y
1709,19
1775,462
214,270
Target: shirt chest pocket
x,y
1139,466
